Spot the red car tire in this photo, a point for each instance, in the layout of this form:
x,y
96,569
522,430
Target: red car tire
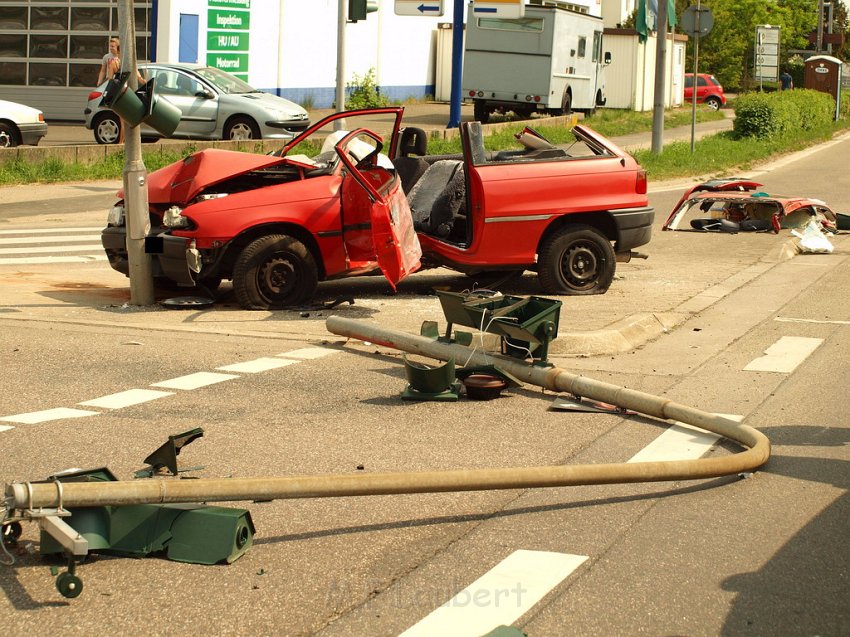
x,y
576,260
274,272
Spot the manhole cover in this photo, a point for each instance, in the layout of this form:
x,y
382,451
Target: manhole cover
x,y
187,302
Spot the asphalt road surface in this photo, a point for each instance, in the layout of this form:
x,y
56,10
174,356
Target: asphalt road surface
x,y
751,333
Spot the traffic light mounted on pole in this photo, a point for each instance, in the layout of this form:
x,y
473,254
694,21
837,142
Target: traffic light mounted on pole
x,y
357,9
142,105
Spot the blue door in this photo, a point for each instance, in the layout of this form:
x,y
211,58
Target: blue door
x,y
188,38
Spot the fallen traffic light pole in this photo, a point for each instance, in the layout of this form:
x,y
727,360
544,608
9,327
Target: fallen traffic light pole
x,y
29,496
46,500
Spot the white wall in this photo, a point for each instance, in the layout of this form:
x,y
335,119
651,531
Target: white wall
x,y
293,46
633,67
615,12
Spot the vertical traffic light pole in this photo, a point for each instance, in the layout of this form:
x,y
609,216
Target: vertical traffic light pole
x,y
135,174
342,18
457,65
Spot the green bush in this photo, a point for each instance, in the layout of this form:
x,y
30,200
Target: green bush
x,y
766,115
364,92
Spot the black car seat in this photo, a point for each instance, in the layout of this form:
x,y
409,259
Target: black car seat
x,y
410,169
431,200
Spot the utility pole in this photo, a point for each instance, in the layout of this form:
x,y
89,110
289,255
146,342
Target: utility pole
x,y
660,79
135,174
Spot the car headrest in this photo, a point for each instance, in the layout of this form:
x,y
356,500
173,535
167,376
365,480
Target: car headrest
x,y
413,141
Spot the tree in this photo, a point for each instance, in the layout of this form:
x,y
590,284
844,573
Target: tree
x,y
728,51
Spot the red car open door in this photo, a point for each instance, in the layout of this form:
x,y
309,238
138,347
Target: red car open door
x,y
376,218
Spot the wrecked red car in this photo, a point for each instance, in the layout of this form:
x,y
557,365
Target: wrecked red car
x,y
339,200
740,205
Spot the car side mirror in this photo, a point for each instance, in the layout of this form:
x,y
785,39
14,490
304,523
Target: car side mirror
x,y
607,57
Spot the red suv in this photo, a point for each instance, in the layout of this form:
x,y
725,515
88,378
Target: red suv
x,y
709,90
334,203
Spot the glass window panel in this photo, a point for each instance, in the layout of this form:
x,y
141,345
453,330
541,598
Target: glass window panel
x,y
519,24
49,18
49,46
47,74
83,74
89,19
92,47
13,73
141,17
13,46
115,23
13,17
142,48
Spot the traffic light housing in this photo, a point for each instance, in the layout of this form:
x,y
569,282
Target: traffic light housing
x,y
357,9
142,105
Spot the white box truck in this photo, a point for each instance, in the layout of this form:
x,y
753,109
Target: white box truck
x,y
549,61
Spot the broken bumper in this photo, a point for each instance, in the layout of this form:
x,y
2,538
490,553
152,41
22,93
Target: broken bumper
x,y
634,227
170,256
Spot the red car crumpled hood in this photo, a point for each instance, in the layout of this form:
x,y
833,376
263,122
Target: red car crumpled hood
x,y
180,182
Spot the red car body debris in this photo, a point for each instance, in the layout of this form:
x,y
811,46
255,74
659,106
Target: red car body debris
x,y
738,205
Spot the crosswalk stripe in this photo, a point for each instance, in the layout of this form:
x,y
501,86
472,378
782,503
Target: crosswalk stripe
x,y
51,239
92,247
46,260
195,381
680,442
500,596
49,230
257,365
785,355
126,398
35,417
308,353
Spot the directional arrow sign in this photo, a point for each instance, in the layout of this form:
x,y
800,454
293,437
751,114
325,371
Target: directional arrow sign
x,y
508,9
434,8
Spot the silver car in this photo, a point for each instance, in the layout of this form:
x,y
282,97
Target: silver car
x,y
213,105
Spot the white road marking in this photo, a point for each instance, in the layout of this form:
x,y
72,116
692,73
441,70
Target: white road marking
x,y
785,355
190,381
783,319
58,413
50,230
500,596
79,237
309,353
126,398
257,365
680,442
52,249
48,260
195,381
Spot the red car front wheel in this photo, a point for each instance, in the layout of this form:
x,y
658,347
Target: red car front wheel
x,y
274,272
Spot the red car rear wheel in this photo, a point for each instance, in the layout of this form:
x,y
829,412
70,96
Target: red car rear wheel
x,y
576,260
